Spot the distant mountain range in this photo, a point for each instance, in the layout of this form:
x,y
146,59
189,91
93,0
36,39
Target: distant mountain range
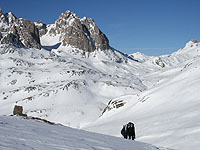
x,y
68,73
69,30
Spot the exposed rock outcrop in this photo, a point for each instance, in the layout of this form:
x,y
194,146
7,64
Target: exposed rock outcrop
x,y
12,39
41,27
100,39
18,31
194,41
113,104
191,43
158,61
79,33
18,110
2,18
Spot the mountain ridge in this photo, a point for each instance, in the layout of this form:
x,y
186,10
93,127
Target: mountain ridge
x,y
77,32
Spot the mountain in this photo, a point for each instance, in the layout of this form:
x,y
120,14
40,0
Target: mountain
x,y
72,31
64,83
68,73
30,134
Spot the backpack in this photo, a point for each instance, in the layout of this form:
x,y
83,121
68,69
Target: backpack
x,y
123,131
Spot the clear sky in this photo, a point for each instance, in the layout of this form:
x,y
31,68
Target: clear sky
x,y
153,27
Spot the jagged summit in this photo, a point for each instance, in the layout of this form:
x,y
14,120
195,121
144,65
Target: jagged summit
x,y
192,43
71,30
18,31
81,33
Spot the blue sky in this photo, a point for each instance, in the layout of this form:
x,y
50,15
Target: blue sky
x,y
153,27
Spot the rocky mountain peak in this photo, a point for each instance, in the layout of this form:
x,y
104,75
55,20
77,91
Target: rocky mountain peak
x,y
1,12
18,31
2,18
67,18
192,43
81,33
68,14
41,27
100,39
11,18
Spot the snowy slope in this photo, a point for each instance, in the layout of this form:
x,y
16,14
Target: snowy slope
x,y
168,112
18,134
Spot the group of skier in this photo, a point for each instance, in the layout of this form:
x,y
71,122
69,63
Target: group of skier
x,y
128,131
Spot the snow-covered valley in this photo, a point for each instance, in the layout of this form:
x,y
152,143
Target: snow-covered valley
x,y
67,89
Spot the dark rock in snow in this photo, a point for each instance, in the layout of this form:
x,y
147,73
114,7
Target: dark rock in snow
x,y
18,110
41,27
194,41
0,36
11,38
114,104
28,33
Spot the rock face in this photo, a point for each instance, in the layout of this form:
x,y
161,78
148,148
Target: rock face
x,y
18,110
194,41
41,27
113,104
79,33
18,31
101,41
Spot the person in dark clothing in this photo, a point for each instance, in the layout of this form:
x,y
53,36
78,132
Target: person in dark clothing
x,y
131,131
128,131
124,132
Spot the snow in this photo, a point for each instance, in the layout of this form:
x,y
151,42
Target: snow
x,y
18,133
3,25
72,87
166,114
83,19
49,40
71,21
139,56
66,89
